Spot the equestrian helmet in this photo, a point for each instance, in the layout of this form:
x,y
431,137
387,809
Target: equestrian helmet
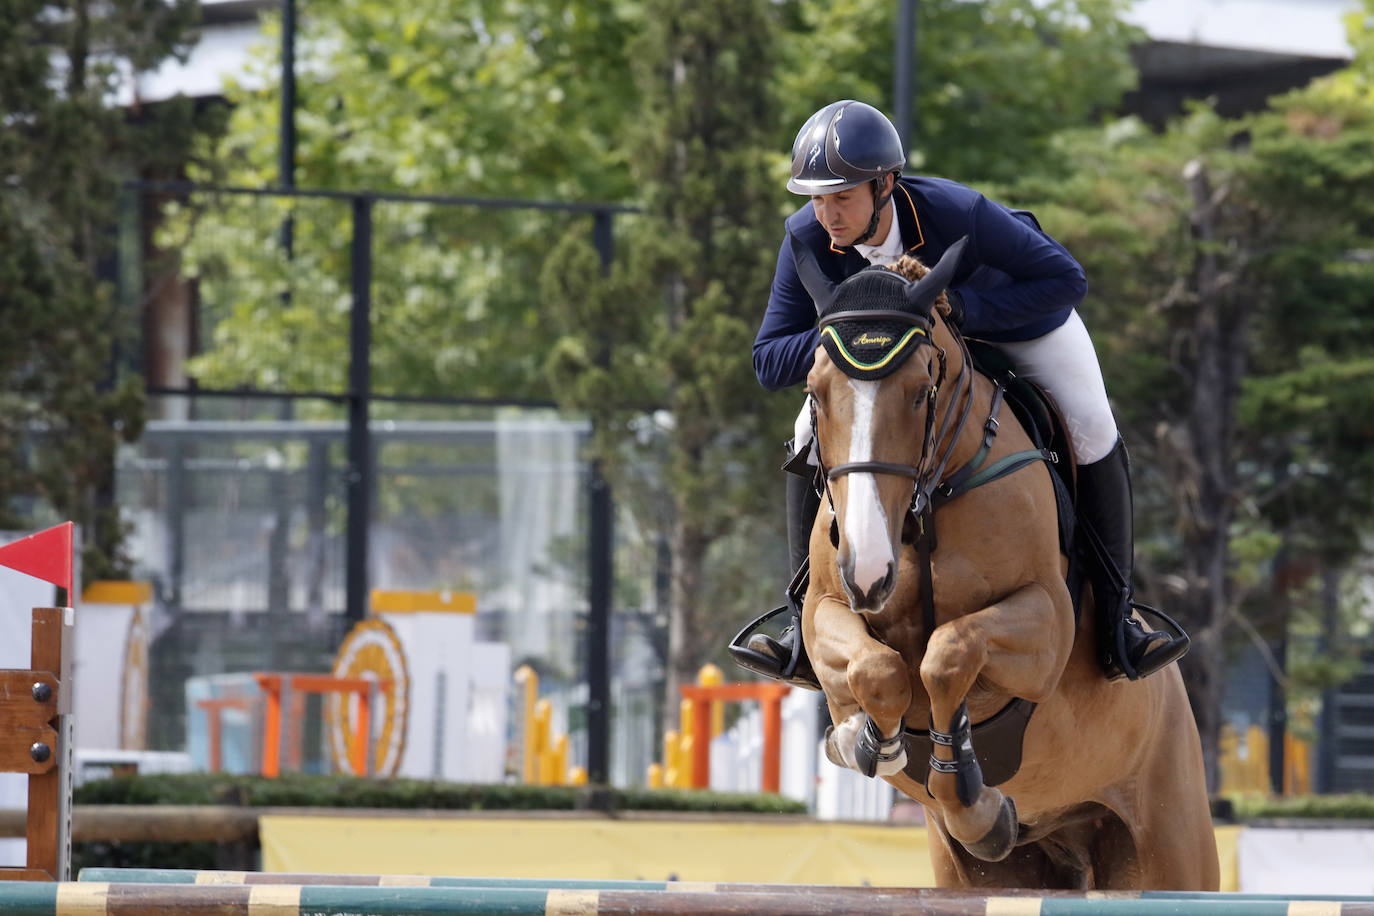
x,y
842,146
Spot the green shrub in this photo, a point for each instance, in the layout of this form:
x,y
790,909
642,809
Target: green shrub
x,y
1355,806
305,791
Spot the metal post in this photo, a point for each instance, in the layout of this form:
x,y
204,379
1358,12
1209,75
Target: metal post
x,y
1328,725
359,393
176,521
369,702
286,147
285,745
440,723
287,151
599,550
1278,696
1278,716
903,88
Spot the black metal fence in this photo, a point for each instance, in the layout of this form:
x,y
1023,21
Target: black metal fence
x,y
277,482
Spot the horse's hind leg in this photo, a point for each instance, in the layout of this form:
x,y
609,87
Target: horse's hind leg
x,y
1024,866
1018,646
1169,817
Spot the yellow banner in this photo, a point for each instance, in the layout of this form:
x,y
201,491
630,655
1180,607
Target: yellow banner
x,y
793,852
592,846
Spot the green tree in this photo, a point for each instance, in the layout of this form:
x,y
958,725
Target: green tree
x,y
994,80
536,101
668,335
64,149
460,97
1227,289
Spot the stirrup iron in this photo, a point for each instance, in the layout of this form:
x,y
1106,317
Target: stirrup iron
x,y
796,669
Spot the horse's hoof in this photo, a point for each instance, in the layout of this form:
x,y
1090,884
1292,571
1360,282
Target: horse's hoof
x,y
842,738
832,753
1000,840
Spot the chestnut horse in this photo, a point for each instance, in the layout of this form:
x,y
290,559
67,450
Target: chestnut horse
x,y
1103,785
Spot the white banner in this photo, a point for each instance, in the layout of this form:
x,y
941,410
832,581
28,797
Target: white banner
x,y
1334,861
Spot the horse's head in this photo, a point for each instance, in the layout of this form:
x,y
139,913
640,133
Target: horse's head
x,y
873,387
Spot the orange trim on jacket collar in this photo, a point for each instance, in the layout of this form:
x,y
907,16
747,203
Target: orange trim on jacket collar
x,y
921,238
919,234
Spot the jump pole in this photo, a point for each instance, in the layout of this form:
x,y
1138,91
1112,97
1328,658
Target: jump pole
x,y
193,876
101,899
36,705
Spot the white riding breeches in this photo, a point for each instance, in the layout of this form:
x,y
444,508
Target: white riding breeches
x,y
1064,363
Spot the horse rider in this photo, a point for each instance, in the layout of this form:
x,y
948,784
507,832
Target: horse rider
x,y
1015,288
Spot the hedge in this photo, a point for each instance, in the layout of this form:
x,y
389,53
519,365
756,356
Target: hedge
x,y
306,791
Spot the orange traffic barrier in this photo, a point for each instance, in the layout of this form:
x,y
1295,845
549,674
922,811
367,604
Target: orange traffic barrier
x,y
274,684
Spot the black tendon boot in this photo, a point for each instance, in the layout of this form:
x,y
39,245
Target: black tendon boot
x,y
784,658
1126,648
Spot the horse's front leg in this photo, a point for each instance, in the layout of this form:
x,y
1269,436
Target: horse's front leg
x,y
867,687
1019,647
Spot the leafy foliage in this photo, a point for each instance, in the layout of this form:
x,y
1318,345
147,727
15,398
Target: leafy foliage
x,y
481,100
1228,286
672,325
65,404
994,81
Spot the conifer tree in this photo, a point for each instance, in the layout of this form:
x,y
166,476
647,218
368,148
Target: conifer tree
x,y
65,401
671,331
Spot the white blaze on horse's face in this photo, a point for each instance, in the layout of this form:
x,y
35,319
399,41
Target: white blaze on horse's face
x,y
870,564
859,421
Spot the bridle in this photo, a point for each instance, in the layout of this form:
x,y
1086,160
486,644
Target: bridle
x,y
929,469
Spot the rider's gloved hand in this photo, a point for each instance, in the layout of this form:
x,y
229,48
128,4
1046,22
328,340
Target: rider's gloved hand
x,y
955,315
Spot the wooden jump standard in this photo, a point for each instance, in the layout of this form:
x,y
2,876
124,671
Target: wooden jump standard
x,y
36,706
36,728
91,898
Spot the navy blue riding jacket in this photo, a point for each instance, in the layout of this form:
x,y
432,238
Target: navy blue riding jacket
x,y
1016,282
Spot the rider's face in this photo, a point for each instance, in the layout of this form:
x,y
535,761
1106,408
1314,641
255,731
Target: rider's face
x,y
845,214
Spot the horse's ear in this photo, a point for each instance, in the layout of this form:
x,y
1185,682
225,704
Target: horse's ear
x,y
820,287
923,293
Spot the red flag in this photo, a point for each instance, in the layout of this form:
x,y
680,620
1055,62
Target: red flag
x,y
46,555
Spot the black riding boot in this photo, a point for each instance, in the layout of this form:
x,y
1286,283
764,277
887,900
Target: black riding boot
x,y
784,658
1126,648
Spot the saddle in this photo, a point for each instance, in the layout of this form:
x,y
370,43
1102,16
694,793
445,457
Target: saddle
x,y
1045,426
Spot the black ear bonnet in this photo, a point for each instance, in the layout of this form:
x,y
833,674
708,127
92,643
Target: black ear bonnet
x,y
869,329
872,321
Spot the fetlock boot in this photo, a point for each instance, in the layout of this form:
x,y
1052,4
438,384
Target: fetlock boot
x,y
784,658
1126,648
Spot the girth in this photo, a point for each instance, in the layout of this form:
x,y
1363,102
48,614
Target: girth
x,y
996,744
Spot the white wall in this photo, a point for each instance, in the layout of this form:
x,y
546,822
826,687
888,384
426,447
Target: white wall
x,y
1306,27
